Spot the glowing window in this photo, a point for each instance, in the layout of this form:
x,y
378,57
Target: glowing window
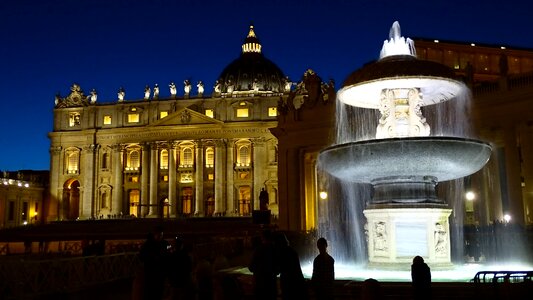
x,y
163,114
186,157
163,160
72,162
134,179
209,113
107,120
186,200
133,160
244,200
74,119
165,178
134,197
133,118
242,112
211,176
272,111
243,157
209,157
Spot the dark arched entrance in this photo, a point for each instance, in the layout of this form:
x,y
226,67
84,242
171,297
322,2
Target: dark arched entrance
x,y
71,199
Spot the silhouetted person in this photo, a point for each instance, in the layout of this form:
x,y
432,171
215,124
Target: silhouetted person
x,y
180,273
292,280
265,269
421,279
204,279
154,256
323,272
371,290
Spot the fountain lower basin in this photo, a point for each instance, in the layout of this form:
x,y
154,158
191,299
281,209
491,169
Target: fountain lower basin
x,y
434,158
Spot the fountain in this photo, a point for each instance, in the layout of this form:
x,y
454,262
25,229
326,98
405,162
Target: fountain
x,y
401,166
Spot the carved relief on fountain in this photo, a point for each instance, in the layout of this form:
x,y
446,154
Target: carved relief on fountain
x,y
441,239
401,114
381,247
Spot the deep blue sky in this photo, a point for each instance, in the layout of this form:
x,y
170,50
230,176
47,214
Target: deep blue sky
x,y
46,45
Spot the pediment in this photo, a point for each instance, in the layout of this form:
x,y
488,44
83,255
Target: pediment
x,y
186,116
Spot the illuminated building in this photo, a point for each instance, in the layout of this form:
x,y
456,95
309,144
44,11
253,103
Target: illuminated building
x,y
22,195
201,154
501,80
171,156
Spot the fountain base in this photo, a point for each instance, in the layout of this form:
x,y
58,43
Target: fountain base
x,y
396,235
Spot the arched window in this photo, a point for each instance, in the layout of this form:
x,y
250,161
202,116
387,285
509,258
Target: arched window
x,y
243,156
187,157
133,161
104,200
245,208
73,159
163,160
209,157
105,160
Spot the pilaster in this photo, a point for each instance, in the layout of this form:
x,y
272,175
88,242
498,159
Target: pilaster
x,y
220,154
199,180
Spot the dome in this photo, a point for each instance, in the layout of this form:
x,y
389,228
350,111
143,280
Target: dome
x,y
251,71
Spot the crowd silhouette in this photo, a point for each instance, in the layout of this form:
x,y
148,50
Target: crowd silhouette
x,y
169,271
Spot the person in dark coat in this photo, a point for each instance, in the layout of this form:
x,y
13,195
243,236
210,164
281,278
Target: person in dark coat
x,y
323,272
265,268
180,273
421,279
154,256
292,280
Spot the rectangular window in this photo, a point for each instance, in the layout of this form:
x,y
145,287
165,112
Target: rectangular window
x,y
133,118
165,178
134,197
272,111
209,113
242,112
134,179
107,120
163,114
211,177
74,119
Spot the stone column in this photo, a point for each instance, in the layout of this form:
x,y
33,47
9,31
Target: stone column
x,y
526,149
145,172
56,188
153,211
199,179
117,204
172,178
219,175
88,172
230,189
259,162
514,201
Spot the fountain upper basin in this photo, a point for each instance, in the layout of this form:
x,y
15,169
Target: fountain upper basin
x,y
445,158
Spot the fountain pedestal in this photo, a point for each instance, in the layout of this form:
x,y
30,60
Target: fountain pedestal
x,y
396,235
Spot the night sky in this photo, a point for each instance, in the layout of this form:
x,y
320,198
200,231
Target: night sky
x,y
47,45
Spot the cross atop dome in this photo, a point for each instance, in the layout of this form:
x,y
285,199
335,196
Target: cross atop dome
x,y
251,43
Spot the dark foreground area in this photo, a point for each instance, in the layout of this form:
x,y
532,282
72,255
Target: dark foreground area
x,y
99,260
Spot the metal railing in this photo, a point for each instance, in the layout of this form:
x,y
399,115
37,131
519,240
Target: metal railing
x,y
26,277
503,276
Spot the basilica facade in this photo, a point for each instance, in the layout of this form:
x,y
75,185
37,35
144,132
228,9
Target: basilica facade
x,y
170,155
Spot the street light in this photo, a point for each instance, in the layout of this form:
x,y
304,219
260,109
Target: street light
x,y
507,218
